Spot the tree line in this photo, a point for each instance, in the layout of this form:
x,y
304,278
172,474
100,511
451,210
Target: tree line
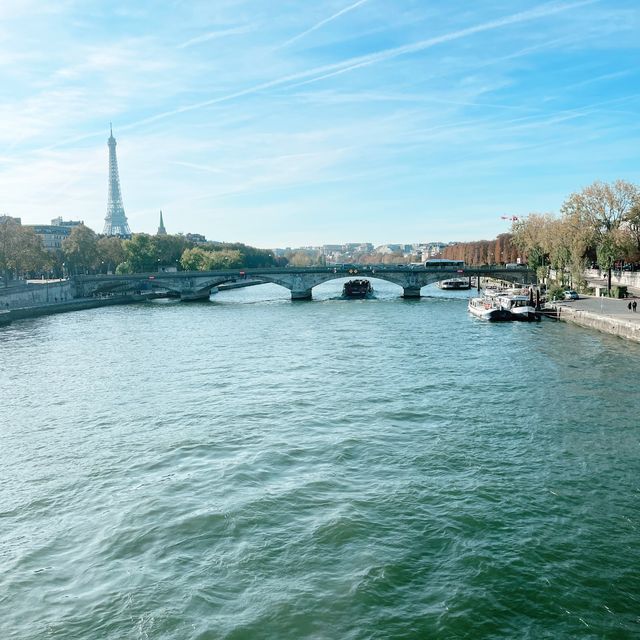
x,y
597,226
22,253
502,250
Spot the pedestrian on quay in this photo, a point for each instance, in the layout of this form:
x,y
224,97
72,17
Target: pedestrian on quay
x,y
629,305
635,304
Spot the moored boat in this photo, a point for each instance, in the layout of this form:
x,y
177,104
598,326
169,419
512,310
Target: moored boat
x,y
455,283
359,288
521,306
486,309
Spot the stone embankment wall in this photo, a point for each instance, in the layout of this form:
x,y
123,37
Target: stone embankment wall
x,y
615,326
34,295
630,279
34,299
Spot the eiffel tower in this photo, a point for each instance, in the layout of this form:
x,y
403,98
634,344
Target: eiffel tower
x,y
115,222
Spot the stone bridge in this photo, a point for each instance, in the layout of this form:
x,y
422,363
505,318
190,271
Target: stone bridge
x,y
198,285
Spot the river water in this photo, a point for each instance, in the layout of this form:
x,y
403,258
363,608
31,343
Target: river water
x,y
256,468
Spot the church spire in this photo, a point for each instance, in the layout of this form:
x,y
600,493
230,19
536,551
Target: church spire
x,y
161,230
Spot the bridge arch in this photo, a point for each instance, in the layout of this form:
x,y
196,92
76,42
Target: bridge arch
x,y
190,285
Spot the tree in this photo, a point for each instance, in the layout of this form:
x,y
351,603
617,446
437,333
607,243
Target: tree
x,y
21,250
251,256
601,205
301,259
170,248
9,246
32,257
227,259
80,249
198,259
194,259
110,253
478,252
607,252
631,238
141,253
596,214
531,235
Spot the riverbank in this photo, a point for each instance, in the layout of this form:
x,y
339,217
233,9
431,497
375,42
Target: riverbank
x,y
80,304
608,315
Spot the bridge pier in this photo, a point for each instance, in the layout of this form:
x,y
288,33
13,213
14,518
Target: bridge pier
x,y
411,292
303,294
190,296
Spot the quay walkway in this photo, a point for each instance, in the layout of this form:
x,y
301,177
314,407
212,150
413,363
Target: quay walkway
x,y
609,315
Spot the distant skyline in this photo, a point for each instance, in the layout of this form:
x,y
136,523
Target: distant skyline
x,y
288,123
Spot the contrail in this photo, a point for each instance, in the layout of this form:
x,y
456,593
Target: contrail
x,y
326,71
213,35
387,54
322,23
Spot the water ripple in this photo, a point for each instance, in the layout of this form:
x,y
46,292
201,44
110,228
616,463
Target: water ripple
x,y
254,468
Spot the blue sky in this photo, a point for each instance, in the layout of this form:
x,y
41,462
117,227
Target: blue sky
x,y
282,123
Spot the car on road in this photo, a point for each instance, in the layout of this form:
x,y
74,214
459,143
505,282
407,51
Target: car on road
x,y
570,294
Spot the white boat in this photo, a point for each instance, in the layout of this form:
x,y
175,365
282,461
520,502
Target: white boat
x,y
486,309
519,305
454,283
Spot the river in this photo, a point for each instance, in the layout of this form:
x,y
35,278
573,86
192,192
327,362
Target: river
x,y
255,468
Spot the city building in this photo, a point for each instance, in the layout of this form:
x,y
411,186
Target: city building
x,y
386,249
196,238
52,235
59,222
432,249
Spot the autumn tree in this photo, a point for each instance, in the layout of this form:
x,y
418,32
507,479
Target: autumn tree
x,y
479,252
598,212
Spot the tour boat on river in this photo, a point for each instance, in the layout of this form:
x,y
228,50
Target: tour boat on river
x,y
359,288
